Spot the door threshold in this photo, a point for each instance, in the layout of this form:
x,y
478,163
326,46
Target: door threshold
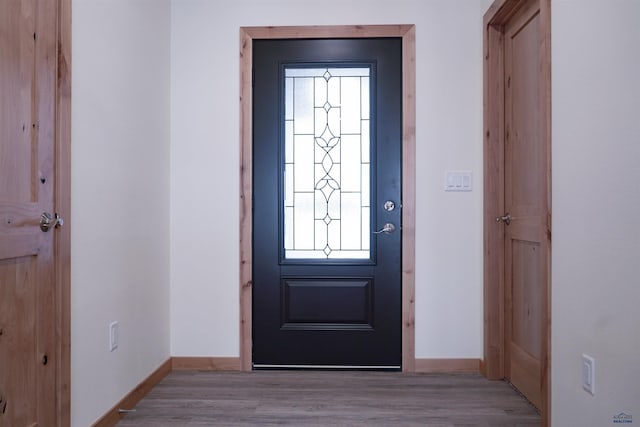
x,y
259,366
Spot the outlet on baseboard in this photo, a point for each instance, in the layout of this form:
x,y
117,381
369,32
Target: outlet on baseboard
x,y
588,374
113,336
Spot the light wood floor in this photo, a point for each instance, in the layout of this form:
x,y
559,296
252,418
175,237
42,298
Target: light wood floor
x,y
331,398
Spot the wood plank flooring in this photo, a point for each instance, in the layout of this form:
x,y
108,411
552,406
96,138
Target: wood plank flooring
x,y
331,398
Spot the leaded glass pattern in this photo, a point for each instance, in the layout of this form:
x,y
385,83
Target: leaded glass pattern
x,y
327,163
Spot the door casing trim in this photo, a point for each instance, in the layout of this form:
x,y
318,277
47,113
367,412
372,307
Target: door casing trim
x,y
407,34
498,14
62,204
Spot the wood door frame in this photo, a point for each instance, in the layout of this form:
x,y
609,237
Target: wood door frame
x,y
493,364
62,204
407,34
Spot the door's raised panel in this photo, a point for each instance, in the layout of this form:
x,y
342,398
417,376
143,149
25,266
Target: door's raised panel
x,y
527,299
18,303
523,136
17,119
327,304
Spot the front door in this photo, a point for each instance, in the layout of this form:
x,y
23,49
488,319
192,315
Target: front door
x,y
327,138
526,198
28,356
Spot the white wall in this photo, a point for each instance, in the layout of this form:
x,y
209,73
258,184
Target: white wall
x,y
596,209
120,200
205,164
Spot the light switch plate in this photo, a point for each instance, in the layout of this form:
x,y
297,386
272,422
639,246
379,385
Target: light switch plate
x,y
588,374
113,336
458,181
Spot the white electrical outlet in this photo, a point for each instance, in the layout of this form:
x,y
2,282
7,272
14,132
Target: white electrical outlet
x,y
588,374
113,336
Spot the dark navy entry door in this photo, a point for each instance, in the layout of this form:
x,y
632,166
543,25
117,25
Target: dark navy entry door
x,y
327,138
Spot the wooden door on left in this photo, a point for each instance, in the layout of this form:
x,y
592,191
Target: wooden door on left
x,y
29,303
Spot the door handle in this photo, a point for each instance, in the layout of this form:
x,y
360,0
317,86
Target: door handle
x,y
47,221
388,228
506,218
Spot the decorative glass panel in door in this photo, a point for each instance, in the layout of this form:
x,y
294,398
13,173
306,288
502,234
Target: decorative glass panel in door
x,y
327,163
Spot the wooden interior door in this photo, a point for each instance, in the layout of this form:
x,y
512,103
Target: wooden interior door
x,y
526,201
28,322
